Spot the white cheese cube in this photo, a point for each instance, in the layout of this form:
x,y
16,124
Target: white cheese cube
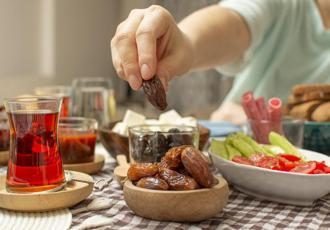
x,y
190,121
132,118
169,117
120,128
151,122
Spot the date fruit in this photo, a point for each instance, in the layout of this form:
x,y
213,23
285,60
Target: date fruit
x,y
139,170
177,181
197,167
155,92
152,183
172,158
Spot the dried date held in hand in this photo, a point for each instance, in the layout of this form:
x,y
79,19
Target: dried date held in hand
x,y
152,183
155,92
197,167
177,181
139,170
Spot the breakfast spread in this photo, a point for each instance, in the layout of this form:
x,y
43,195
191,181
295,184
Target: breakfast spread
x,y
310,102
182,168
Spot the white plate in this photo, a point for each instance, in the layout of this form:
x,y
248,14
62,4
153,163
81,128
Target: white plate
x,y
284,187
59,219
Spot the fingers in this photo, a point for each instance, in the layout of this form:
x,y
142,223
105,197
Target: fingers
x,y
154,25
141,47
124,51
117,64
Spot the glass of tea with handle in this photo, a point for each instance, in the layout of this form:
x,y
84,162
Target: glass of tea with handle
x,y
35,163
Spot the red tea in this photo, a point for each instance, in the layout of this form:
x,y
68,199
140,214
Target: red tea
x,y
65,106
35,163
77,148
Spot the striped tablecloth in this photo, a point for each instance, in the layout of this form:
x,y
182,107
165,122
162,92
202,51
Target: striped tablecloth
x,y
242,212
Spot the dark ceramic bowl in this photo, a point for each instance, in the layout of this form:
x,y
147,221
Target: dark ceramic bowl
x,y
116,144
317,137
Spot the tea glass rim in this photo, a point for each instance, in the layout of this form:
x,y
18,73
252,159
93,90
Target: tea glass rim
x,y
63,90
32,99
137,129
80,121
91,79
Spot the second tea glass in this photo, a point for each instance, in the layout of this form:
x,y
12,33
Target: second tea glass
x,y
82,84
64,92
35,163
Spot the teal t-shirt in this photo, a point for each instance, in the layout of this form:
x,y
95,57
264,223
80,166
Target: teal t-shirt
x,y
290,45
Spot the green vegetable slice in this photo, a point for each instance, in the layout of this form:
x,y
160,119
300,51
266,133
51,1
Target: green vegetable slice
x,y
219,148
281,141
231,151
243,147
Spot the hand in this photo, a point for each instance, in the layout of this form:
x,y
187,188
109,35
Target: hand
x,y
149,42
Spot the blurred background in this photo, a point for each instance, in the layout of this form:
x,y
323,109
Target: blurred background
x,y
52,42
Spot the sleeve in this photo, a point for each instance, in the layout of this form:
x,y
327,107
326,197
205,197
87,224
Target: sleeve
x,y
259,16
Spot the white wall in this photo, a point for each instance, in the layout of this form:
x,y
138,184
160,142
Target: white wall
x,y
79,31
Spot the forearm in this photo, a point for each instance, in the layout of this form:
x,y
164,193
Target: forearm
x,y
218,35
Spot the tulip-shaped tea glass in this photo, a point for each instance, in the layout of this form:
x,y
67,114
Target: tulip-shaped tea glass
x,y
63,92
35,163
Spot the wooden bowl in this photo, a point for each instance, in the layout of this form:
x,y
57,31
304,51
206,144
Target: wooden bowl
x,y
4,157
118,144
113,142
88,167
182,206
204,135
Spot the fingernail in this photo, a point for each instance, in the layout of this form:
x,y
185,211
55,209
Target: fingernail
x,y
145,71
133,81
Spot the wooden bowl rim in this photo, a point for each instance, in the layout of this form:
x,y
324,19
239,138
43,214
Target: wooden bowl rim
x,y
221,183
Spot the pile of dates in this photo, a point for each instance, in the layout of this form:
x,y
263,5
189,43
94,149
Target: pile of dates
x,y
182,168
152,147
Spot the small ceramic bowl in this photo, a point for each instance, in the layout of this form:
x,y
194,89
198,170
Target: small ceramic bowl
x,y
317,136
283,187
116,143
187,206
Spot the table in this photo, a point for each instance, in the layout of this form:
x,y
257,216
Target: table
x,y
241,212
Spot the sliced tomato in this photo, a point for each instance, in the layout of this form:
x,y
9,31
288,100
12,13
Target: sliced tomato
x,y
255,158
320,165
326,169
290,157
318,171
305,168
242,160
268,162
285,164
